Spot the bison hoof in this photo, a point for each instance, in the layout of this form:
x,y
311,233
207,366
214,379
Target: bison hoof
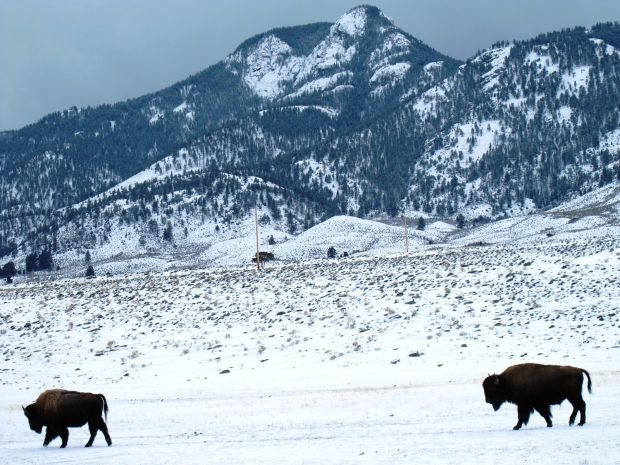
x,y
88,445
516,427
62,446
581,423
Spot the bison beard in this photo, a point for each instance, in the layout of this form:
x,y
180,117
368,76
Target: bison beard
x,y
536,387
59,410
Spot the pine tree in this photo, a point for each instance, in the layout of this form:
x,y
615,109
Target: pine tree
x,y
8,271
167,236
32,260
45,260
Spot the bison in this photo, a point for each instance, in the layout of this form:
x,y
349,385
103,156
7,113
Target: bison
x,y
59,410
263,256
532,386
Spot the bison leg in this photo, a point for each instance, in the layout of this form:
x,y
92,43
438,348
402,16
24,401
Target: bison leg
x,y
64,435
582,412
578,406
104,429
545,412
582,420
571,420
524,416
50,435
92,427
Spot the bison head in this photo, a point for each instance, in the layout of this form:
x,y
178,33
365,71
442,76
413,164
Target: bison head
x,y
34,418
494,392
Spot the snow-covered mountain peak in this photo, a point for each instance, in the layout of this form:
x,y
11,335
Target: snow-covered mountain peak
x,y
360,20
267,66
270,48
494,62
352,23
362,45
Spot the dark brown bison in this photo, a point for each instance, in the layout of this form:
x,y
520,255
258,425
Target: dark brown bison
x,y
263,256
59,410
536,387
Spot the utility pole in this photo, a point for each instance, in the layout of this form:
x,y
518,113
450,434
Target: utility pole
x,y
406,235
257,252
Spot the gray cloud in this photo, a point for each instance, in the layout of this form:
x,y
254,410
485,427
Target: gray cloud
x,y
73,52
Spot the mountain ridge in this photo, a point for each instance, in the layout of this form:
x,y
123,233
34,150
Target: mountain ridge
x,y
354,117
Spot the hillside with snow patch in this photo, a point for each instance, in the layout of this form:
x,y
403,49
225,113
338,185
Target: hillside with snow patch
x,y
208,244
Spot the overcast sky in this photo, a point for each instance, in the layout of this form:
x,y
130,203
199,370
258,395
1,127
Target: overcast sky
x,y
56,54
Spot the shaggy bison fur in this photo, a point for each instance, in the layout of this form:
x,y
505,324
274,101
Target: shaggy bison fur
x,y
536,387
59,410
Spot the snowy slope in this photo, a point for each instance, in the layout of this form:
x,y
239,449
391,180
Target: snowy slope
x,y
210,242
347,234
373,360
595,214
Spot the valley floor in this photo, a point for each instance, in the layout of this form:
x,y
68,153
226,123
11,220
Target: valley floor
x,y
374,360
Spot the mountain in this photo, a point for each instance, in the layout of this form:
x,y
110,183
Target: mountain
x,y
356,117
524,125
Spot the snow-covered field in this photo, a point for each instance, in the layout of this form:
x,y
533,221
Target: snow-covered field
x,y
362,360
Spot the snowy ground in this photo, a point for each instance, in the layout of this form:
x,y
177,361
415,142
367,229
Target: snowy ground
x,y
362,360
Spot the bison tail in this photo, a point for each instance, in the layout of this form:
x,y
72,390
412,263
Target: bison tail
x,y
589,380
105,406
